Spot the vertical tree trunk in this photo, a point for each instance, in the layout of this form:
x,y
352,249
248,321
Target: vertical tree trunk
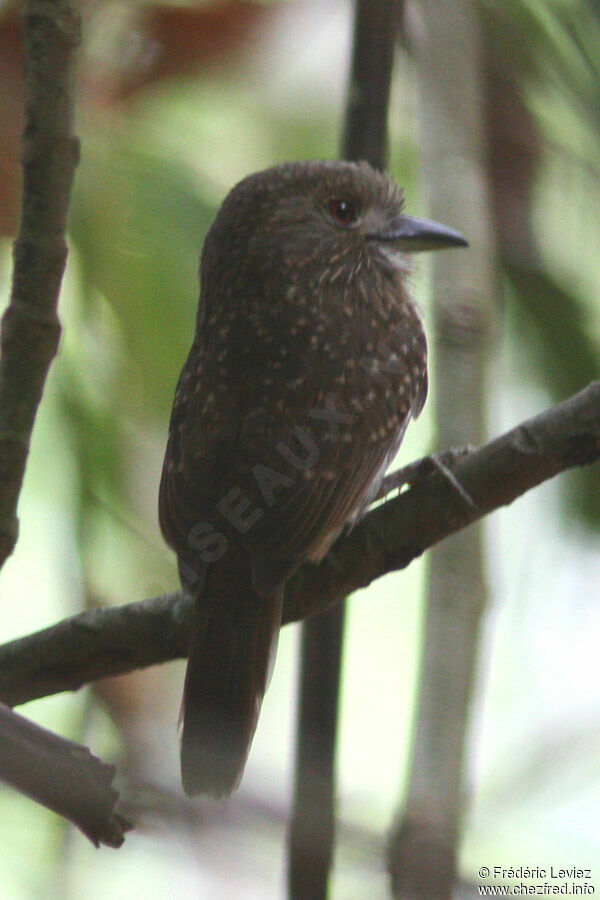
x,y
424,845
312,831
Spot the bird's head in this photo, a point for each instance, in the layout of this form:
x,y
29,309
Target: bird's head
x,y
316,218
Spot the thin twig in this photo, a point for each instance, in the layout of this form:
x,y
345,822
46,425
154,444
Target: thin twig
x,y
117,640
415,471
30,328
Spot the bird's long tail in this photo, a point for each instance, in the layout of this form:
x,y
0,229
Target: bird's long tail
x,y
232,649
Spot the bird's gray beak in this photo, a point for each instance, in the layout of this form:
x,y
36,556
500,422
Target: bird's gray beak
x,y
413,235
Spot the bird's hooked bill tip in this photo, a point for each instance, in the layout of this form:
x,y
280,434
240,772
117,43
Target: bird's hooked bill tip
x,y
413,235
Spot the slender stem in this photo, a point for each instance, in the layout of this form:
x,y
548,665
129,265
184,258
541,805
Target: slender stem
x,y
312,830
30,328
365,132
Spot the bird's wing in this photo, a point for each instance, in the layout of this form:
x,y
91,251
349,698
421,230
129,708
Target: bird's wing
x,y
311,479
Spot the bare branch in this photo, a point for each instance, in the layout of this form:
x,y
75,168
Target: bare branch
x,y
448,51
30,326
62,776
117,640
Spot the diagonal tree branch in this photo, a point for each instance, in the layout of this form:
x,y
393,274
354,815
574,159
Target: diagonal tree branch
x,y
30,327
117,640
62,776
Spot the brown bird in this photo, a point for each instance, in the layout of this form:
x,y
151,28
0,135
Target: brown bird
x,y
308,361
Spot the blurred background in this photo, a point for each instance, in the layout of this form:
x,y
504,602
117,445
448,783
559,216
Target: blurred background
x,y
175,104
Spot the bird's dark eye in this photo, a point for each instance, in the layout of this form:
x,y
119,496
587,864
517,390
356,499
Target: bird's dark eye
x,y
343,211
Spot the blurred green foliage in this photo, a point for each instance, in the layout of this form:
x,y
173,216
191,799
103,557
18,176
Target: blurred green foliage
x,y
137,222
551,50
